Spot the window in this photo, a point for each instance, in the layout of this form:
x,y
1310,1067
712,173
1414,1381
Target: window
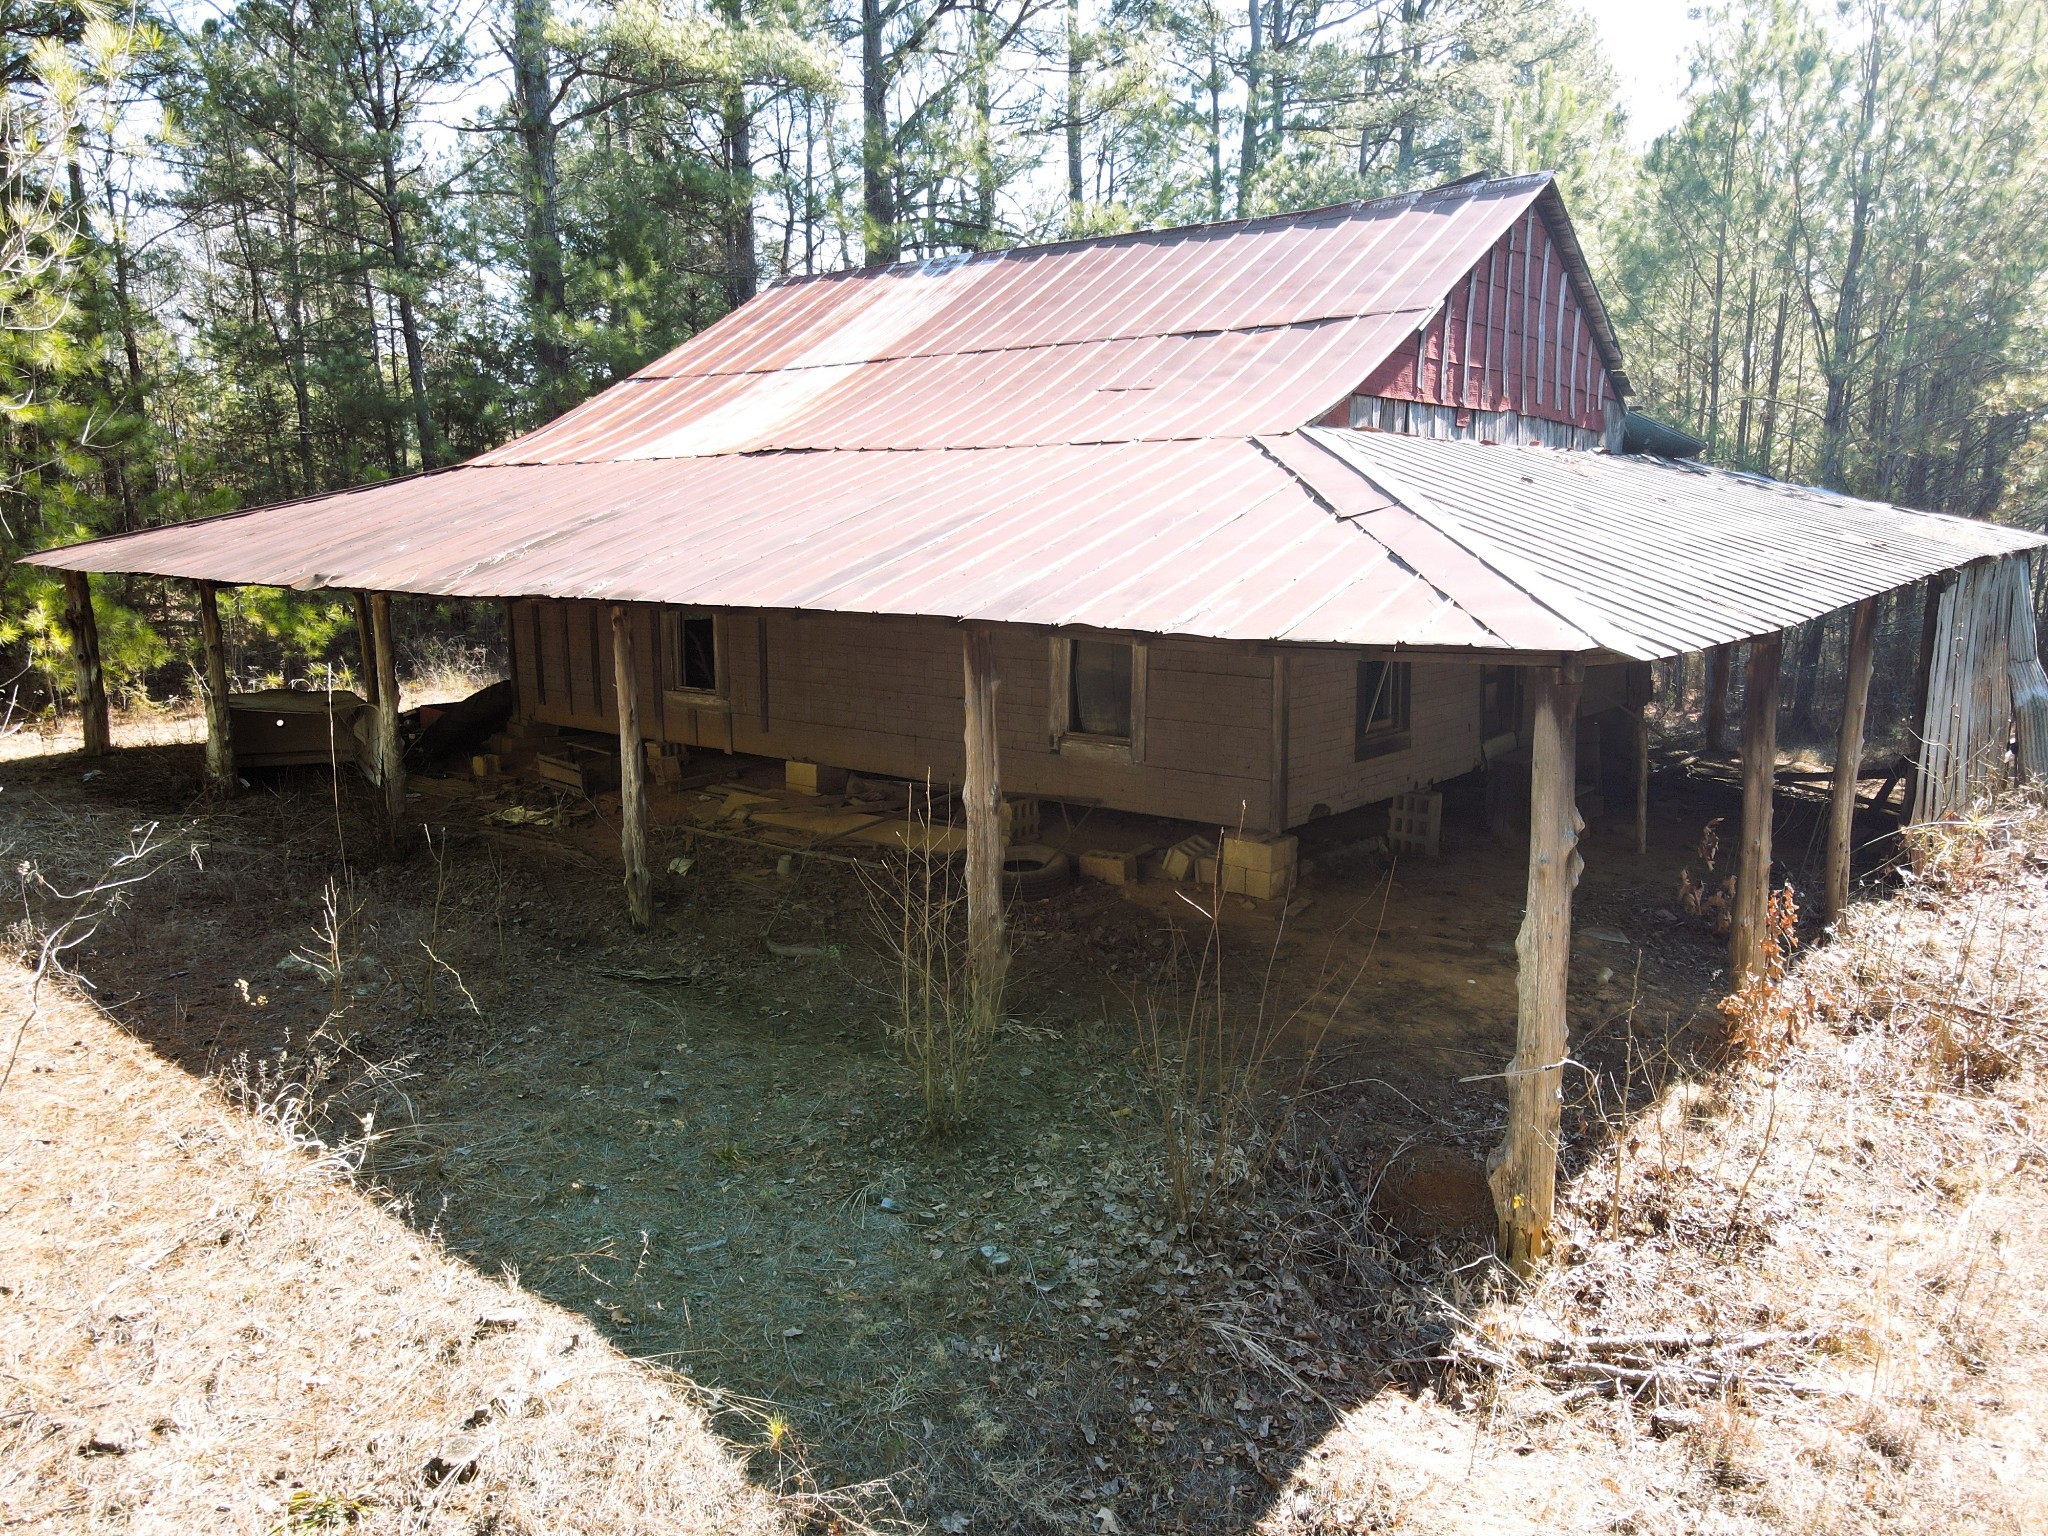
x,y
1382,724
693,653
1098,697
1500,702
1099,691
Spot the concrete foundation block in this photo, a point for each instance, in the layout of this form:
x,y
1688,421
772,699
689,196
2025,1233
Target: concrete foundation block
x,y
1109,867
1264,854
813,778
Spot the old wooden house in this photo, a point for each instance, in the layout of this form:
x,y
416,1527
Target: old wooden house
x,y
1244,523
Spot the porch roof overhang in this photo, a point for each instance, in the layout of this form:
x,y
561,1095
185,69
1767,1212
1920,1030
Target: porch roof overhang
x,y
1318,537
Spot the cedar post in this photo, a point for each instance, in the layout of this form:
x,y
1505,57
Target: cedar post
x,y
1849,755
632,773
1759,767
390,757
220,741
366,647
987,958
1523,1169
1642,734
1718,661
85,656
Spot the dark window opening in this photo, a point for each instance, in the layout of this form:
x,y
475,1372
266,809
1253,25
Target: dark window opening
x,y
1382,707
694,662
1099,692
1500,702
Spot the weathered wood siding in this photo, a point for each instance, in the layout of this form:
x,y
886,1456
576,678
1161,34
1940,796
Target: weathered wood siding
x,y
884,695
1323,769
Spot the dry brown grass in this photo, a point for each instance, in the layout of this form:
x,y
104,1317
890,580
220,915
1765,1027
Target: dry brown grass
x,y
206,1328
1862,1190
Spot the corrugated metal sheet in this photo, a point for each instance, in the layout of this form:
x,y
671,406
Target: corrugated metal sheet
x,y
1654,557
1215,331
1099,434
1217,539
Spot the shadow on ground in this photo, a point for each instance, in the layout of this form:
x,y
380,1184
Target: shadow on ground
x,y
701,1138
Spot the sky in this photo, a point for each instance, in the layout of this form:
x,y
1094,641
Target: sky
x,y
1649,42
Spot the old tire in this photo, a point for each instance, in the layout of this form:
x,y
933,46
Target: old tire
x,y
1032,872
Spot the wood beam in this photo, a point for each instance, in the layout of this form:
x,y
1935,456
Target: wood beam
x,y
1523,1169
85,657
220,739
366,647
1849,756
390,756
1720,661
632,773
987,956
1751,926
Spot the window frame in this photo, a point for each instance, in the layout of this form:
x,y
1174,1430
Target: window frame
x,y
1066,741
718,696
1374,738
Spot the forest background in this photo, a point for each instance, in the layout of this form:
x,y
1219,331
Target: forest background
x,y
257,251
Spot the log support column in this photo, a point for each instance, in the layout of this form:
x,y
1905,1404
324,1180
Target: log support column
x,y
987,956
85,656
220,740
1751,926
1523,1169
390,756
1849,757
632,772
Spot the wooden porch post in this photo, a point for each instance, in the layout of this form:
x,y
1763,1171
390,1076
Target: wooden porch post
x,y
390,757
1759,768
1523,1169
1849,756
85,656
366,647
220,741
987,959
632,772
1719,660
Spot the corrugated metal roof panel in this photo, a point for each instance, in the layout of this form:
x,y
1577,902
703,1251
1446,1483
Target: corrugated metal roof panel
x,y
1211,538
1655,557
1214,331
1320,537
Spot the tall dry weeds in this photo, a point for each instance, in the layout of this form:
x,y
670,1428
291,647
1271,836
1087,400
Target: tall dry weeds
x,y
1210,1055
940,1020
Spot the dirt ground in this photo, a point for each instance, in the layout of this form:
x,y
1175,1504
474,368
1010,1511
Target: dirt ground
x,y
702,1141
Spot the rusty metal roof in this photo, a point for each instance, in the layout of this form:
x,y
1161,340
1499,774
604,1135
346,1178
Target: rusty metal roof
x,y
1223,330
1217,538
1656,557
1106,434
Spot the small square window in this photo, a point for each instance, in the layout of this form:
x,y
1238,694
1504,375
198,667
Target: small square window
x,y
1382,723
693,653
1099,690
